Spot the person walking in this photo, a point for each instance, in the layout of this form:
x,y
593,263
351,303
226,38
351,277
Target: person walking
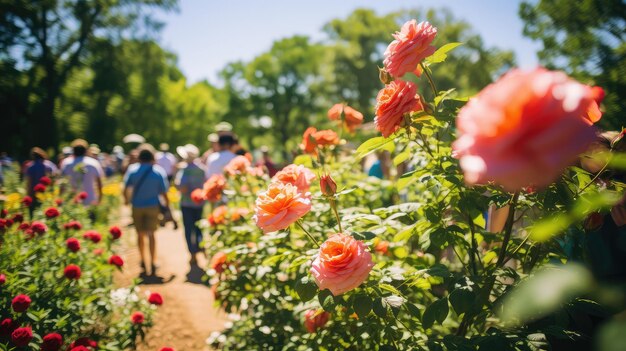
x,y
144,183
166,160
219,159
84,173
189,178
36,169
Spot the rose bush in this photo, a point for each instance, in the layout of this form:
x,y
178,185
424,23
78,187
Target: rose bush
x,y
468,248
57,292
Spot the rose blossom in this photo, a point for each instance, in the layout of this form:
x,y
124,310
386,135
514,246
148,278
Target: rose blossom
x,y
523,129
279,206
218,262
137,318
82,195
72,271
155,299
166,349
593,113
213,187
352,118
52,342
39,188
328,187
115,232
27,200
410,47
73,225
93,235
45,180
116,261
3,279
326,137
237,165
308,144
315,319
38,227
84,343
392,103
197,196
51,212
18,218
22,336
3,213
218,216
73,244
342,264
7,326
296,175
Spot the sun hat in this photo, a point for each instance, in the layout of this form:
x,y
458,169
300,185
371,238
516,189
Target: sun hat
x,y
188,151
213,137
223,127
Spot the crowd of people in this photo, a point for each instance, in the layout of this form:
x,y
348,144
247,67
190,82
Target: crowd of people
x,y
147,177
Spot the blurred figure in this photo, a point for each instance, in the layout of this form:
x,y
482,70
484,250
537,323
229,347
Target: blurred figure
x,y
84,173
380,166
213,139
166,160
36,169
118,155
130,159
65,153
144,183
267,162
189,178
218,160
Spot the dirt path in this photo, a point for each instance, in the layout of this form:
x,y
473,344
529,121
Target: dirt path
x,y
187,316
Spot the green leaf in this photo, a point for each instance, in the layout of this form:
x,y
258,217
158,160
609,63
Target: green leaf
x,y
401,157
414,310
306,289
441,54
544,292
611,336
380,308
437,311
327,300
305,160
462,299
362,305
389,288
372,145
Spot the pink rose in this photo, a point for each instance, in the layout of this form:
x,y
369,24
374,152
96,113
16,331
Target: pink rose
x,y
412,45
280,206
394,101
296,175
342,264
315,319
523,129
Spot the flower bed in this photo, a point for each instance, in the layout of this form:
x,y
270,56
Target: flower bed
x,y
321,257
56,278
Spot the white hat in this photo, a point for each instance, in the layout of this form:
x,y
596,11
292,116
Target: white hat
x,y
213,137
188,151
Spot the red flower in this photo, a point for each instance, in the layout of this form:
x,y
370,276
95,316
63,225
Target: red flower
x,y
22,336
27,200
52,342
116,232
8,222
93,235
59,202
3,279
52,212
38,227
82,195
18,217
155,299
72,271
73,244
98,251
218,262
116,260
39,188
137,318
20,303
166,349
24,226
7,326
315,319
4,213
197,196
382,247
45,180
73,225
82,344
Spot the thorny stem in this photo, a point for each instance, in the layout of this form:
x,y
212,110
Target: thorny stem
x,y
308,234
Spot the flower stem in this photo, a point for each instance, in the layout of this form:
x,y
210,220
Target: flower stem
x,y
333,205
308,234
430,79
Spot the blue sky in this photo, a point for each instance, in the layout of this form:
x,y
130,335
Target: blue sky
x,y
207,34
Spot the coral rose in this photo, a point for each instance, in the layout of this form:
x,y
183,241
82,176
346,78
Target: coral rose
x,y
22,336
342,264
308,144
394,101
52,342
137,318
315,319
52,212
280,206
115,232
236,166
352,118
328,186
213,187
20,303
296,175
218,216
382,247
334,113
72,271
593,113
218,262
73,244
326,137
116,261
155,299
523,129
197,196
410,47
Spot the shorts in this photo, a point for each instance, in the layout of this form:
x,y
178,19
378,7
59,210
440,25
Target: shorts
x,y
146,218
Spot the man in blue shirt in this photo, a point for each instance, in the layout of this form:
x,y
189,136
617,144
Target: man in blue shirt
x,y
144,183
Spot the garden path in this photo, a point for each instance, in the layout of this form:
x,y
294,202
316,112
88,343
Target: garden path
x,y
188,315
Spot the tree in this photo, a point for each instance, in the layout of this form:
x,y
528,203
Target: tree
x,y
586,39
50,38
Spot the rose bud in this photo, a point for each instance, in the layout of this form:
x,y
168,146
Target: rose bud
x,y
328,185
